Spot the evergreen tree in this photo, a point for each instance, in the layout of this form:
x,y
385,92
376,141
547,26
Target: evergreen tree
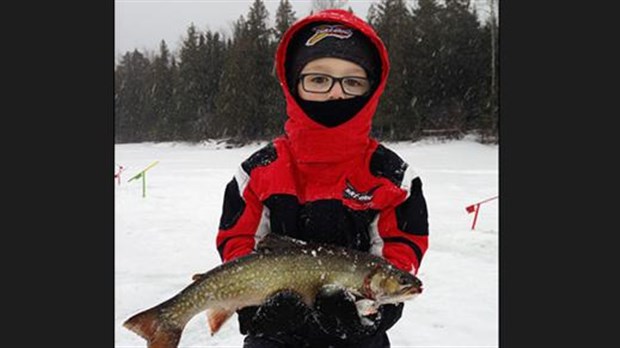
x,y
285,16
132,108
171,130
489,114
205,86
392,21
372,15
119,119
190,88
232,104
319,5
428,41
247,84
260,58
214,60
463,64
161,93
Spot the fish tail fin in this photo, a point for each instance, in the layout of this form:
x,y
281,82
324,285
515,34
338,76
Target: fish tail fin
x,y
157,332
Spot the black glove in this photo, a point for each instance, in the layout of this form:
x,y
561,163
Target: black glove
x,y
337,316
282,312
389,313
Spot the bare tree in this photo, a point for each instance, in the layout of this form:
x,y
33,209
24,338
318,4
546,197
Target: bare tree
x,y
319,5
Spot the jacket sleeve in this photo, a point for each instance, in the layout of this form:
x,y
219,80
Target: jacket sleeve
x,y
244,218
400,231
404,230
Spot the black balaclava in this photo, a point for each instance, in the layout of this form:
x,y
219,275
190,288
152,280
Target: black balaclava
x,y
324,39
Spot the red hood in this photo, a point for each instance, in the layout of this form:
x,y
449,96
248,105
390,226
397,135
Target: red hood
x,y
310,141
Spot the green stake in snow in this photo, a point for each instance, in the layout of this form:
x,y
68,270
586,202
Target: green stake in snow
x,y
142,175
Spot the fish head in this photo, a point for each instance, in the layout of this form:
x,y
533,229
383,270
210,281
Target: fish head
x,y
388,284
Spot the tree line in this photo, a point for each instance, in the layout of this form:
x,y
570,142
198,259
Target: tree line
x,y
443,78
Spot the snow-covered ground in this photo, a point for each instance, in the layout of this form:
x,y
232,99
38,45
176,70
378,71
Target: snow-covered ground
x,y
163,239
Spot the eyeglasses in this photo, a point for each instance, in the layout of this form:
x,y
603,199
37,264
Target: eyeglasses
x,y
322,83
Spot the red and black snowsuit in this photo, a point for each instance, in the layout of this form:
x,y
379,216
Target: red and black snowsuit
x,y
335,185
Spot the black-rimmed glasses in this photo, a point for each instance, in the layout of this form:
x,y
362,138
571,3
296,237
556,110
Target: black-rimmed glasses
x,y
323,83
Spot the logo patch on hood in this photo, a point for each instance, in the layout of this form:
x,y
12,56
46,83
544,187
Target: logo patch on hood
x,y
323,31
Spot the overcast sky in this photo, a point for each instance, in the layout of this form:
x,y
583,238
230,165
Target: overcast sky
x,y
142,24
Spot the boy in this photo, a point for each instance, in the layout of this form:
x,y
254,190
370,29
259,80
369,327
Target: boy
x,y
326,181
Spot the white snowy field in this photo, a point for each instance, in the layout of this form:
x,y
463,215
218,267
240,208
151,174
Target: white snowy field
x,y
161,240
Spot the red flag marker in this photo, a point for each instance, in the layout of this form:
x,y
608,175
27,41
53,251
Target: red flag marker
x,y
476,208
117,175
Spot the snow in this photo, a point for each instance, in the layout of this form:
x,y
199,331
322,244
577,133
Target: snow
x,y
163,239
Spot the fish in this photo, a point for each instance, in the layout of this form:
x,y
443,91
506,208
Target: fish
x,y
279,263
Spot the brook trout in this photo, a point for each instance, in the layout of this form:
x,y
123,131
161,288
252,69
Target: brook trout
x,y
280,263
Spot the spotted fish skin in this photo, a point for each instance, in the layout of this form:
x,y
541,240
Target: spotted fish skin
x,y
280,263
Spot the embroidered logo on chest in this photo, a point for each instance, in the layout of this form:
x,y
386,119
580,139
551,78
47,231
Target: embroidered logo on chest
x,y
351,192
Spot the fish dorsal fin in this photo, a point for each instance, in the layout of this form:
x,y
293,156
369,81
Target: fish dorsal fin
x,y
273,241
199,276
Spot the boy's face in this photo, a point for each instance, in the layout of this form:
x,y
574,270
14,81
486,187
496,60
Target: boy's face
x,y
316,87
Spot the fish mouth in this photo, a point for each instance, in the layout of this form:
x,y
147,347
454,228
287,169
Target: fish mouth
x,y
405,294
413,290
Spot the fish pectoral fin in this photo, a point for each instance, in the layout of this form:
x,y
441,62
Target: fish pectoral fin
x,y
331,289
217,317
